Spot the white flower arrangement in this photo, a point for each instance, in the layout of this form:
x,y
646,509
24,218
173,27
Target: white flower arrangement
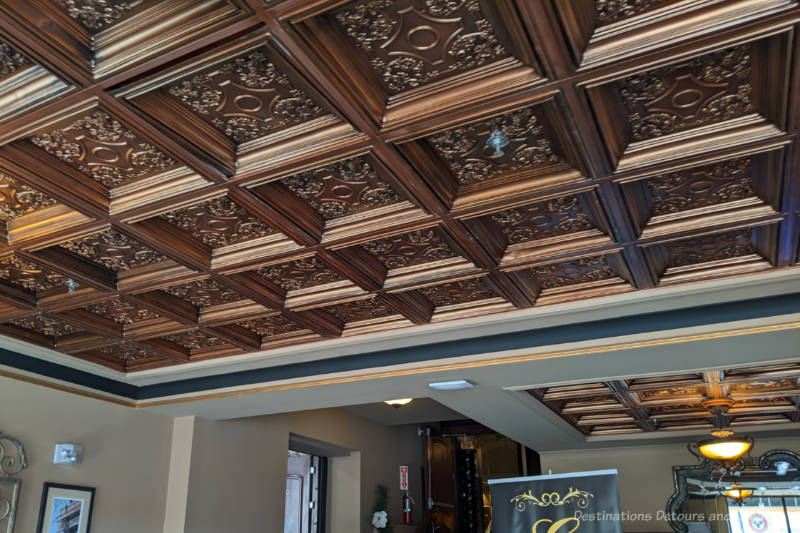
x,y
380,519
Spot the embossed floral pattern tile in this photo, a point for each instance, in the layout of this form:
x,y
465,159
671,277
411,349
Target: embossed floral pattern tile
x,y
342,188
99,146
582,270
411,249
122,312
300,274
559,216
710,248
29,275
246,97
17,199
218,222
610,11
96,15
114,250
458,292
465,152
705,90
11,60
410,43
204,293
704,186
47,326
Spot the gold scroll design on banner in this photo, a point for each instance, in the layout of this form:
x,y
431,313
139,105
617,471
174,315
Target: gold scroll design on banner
x,y
546,499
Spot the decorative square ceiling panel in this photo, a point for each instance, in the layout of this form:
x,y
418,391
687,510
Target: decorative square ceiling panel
x,y
33,278
717,254
347,196
128,356
401,50
367,315
276,330
113,250
557,225
123,312
204,293
104,36
410,44
607,30
87,151
417,256
218,222
536,155
744,188
690,100
309,280
50,327
219,231
464,298
580,277
241,103
100,147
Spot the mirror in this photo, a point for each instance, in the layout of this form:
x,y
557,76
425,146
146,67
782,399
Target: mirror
x,y
757,495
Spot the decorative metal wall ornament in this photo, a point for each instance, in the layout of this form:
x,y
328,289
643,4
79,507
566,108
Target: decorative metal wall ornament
x,y
12,462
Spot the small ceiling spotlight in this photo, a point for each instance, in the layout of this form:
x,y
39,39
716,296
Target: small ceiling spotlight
x,y
71,285
497,141
456,384
398,403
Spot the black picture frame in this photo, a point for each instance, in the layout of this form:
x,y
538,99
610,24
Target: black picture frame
x,y
73,492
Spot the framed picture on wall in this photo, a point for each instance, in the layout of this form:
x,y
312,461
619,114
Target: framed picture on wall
x,y
65,509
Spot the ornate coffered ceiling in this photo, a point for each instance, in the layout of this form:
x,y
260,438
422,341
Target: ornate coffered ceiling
x,y
244,175
760,395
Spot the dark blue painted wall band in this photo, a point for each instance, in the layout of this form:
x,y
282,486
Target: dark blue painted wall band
x,y
65,373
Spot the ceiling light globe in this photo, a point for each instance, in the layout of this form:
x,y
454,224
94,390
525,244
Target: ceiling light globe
x,y
725,449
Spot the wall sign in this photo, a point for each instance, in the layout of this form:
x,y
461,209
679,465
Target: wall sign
x,y
579,502
403,478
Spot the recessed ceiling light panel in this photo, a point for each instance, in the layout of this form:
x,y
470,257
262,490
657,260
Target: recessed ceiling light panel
x,y
456,384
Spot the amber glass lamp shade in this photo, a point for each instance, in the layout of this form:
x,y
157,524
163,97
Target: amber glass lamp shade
x,y
738,493
724,446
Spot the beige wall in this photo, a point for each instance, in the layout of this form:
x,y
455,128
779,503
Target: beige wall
x,y
238,470
126,455
645,472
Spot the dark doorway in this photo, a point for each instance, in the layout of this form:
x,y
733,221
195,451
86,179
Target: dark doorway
x,y
305,494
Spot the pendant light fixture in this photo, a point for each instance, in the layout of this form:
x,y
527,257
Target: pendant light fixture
x,y
738,492
724,446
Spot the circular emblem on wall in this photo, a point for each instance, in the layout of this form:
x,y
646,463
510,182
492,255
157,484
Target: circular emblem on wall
x,y
758,522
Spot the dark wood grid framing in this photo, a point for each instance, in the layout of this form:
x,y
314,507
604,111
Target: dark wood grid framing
x,y
575,219
759,395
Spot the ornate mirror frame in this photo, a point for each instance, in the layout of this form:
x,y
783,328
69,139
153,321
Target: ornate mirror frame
x,y
12,461
681,473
